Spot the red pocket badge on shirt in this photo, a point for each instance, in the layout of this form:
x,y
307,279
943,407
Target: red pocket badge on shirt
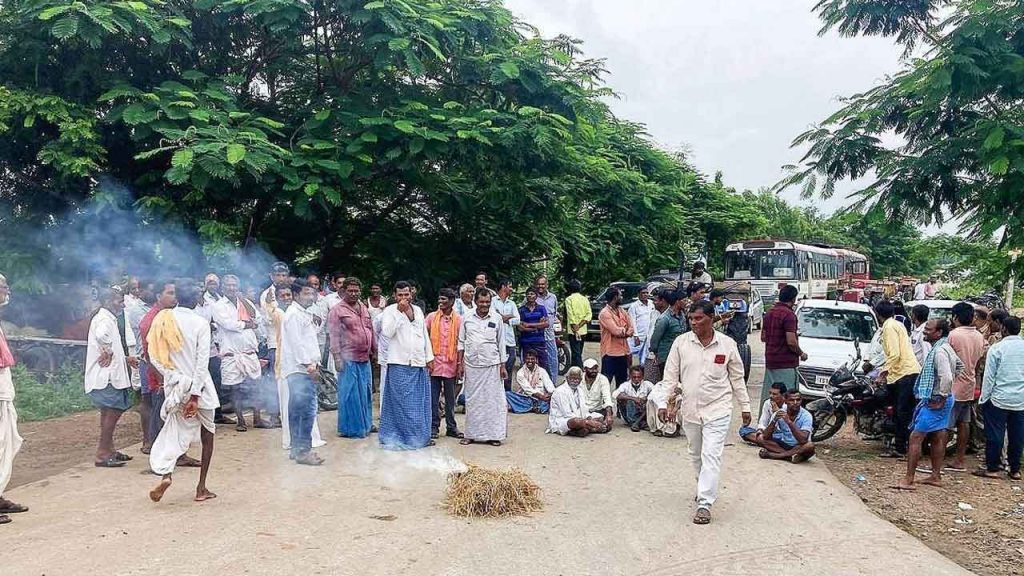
x,y
720,359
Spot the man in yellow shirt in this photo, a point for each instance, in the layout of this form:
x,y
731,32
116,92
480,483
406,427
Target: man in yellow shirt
x,y
899,374
577,315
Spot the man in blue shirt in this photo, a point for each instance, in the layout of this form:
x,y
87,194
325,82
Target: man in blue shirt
x,y
533,321
788,434
1002,401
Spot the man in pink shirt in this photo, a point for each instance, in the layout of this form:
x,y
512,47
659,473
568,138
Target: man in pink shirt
x,y
443,328
969,346
616,330
353,348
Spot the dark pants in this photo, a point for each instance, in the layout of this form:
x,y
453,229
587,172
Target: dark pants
x,y
437,386
999,423
632,414
902,393
156,402
615,369
576,351
223,396
269,398
301,412
510,367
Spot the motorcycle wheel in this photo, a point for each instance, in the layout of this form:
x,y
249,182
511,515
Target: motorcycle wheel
x,y
827,424
563,358
327,391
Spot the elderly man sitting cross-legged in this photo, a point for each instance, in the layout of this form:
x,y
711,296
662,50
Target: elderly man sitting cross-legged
x,y
788,434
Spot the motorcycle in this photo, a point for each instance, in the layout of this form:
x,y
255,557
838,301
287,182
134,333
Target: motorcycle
x,y
874,416
991,300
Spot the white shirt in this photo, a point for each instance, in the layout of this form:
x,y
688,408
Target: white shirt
x,y
299,347
376,310
133,318
598,394
704,278
566,403
104,335
918,344
641,391
482,340
205,309
654,320
264,322
190,375
525,384
382,342
464,309
921,291
235,338
408,341
660,394
767,414
640,314
710,377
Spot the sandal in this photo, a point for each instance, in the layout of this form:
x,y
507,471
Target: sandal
x,y
5,519
455,434
309,459
1010,475
986,474
702,516
8,507
121,457
188,462
465,441
494,443
432,443
241,427
435,435
111,462
263,425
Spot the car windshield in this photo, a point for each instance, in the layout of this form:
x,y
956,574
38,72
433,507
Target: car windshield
x,y
835,324
760,264
943,313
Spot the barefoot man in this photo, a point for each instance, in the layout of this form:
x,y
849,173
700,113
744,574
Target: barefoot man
x,y
179,348
934,404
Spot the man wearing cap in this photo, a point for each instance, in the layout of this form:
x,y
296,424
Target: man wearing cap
x,y
597,393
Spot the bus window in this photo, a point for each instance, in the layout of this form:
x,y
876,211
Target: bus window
x,y
760,264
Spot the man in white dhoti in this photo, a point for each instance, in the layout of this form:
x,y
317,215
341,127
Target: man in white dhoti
x,y
10,440
236,319
640,314
706,366
568,415
106,374
482,357
179,348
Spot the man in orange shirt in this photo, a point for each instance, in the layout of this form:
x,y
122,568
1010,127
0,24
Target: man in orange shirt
x,y
616,330
969,345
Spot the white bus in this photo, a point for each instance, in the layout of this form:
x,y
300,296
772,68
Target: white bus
x,y
769,265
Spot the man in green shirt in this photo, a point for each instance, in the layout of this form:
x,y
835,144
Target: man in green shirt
x,y
669,326
577,315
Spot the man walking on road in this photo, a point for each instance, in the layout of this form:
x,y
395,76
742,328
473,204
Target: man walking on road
x,y
707,367
782,353
899,372
1002,401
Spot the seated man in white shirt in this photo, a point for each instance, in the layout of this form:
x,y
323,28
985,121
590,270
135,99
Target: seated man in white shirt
x,y
788,435
568,415
631,398
597,392
531,389
776,401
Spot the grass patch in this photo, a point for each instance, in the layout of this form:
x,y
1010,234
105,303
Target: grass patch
x,y
64,394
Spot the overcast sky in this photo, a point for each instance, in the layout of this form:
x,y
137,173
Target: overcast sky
x,y
732,81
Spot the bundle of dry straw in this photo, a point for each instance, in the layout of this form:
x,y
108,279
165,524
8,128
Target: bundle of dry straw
x,y
483,493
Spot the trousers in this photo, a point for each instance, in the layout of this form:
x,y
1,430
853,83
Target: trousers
x,y
706,444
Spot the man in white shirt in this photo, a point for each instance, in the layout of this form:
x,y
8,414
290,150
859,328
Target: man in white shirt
x,y
464,305
597,391
919,316
237,318
706,366
106,374
299,357
769,410
568,415
640,312
532,389
10,440
631,397
700,274
405,416
280,276
482,357
506,307
179,348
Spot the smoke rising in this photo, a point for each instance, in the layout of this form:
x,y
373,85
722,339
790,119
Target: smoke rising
x,y
397,469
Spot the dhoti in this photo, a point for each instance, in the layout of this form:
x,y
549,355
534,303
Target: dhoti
x,y
238,367
486,404
670,428
10,440
176,436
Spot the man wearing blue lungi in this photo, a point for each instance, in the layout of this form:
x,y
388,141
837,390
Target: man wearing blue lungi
x,y
352,345
405,404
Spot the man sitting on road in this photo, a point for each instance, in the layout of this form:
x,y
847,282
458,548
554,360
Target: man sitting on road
x,y
631,398
568,415
663,403
531,389
788,434
597,392
769,408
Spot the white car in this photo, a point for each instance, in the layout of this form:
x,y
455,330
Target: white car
x,y
828,331
937,308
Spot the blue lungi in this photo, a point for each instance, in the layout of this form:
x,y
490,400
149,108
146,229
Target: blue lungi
x,y
522,404
927,420
355,406
405,408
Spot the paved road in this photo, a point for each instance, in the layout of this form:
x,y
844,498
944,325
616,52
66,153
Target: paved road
x,y
617,504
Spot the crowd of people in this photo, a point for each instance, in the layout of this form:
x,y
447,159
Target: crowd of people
x,y
674,364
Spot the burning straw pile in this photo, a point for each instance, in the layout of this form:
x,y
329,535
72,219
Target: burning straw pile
x,y
482,493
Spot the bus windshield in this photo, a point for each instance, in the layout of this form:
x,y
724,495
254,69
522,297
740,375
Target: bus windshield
x,y
760,264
